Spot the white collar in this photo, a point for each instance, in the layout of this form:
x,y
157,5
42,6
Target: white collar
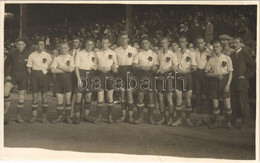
x,y
237,51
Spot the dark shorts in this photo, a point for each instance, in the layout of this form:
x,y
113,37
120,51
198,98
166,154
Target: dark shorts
x,y
86,76
63,83
19,78
122,73
74,80
216,88
39,81
184,82
200,81
106,80
145,80
165,82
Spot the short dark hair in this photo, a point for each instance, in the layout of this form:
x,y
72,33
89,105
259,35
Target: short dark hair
x,y
164,38
64,42
200,37
145,38
122,33
105,38
76,38
38,40
240,39
89,39
183,37
216,41
20,39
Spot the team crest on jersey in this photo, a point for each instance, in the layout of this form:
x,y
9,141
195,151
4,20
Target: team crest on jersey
x,y
167,59
68,63
224,64
44,60
93,59
130,55
187,59
208,57
109,56
150,59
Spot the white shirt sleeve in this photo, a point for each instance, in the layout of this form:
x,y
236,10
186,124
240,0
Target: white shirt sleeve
x,y
136,58
230,65
156,59
54,63
174,60
49,60
208,65
72,65
77,60
29,61
193,59
115,59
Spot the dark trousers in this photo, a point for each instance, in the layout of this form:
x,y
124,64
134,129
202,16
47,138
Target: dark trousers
x,y
240,105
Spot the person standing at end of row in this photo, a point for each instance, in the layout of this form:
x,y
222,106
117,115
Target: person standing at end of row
x,y
63,66
244,68
37,66
15,74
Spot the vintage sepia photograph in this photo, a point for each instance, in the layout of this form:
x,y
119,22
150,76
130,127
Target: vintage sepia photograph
x,y
149,80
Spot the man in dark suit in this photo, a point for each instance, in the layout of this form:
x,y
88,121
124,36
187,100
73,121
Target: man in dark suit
x,y
244,68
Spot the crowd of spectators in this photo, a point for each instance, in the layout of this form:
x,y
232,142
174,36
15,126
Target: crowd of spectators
x,y
192,21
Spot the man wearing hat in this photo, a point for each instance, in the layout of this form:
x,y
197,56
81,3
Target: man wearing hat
x,y
37,66
146,64
125,54
15,74
244,68
225,42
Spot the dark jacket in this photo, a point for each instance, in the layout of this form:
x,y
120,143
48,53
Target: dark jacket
x,y
243,64
16,61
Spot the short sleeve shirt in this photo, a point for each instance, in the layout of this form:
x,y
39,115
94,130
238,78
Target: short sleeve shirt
x,y
167,60
219,64
39,61
146,58
125,56
203,57
85,60
63,60
105,59
185,60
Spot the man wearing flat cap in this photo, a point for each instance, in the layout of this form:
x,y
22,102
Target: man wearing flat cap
x,y
225,41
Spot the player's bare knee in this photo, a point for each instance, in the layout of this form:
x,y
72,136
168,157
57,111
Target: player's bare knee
x,y
227,103
100,97
88,97
7,88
